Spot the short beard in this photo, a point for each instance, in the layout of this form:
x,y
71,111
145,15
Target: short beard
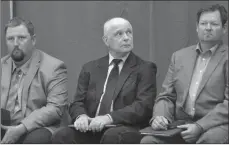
x,y
17,54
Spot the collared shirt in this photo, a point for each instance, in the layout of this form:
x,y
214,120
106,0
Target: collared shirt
x,y
200,67
111,65
14,103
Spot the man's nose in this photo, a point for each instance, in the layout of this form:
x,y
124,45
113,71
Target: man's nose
x,y
209,26
16,42
126,37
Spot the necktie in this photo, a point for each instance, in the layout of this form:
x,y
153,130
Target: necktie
x,y
110,88
12,104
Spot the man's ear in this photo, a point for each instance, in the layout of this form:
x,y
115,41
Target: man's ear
x,y
105,40
33,39
225,28
197,27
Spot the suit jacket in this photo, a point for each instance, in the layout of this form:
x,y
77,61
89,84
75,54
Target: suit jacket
x,y
211,106
133,97
44,94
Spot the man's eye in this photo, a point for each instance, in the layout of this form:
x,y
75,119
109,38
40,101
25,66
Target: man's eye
x,y
215,24
21,37
119,33
10,38
203,23
129,32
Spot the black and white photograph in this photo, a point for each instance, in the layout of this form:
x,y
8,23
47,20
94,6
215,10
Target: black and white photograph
x,y
114,72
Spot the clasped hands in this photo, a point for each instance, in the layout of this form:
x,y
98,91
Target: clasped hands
x,y
190,134
85,123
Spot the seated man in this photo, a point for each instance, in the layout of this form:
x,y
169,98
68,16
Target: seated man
x,y
196,86
33,87
118,89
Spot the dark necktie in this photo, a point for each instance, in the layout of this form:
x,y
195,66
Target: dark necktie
x,y
110,88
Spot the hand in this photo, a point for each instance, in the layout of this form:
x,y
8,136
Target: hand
x,y
82,122
13,133
191,134
98,123
160,123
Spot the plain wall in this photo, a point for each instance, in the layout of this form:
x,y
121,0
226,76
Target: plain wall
x,y
72,30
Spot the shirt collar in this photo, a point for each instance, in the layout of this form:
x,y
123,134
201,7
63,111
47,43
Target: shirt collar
x,y
24,68
212,49
123,58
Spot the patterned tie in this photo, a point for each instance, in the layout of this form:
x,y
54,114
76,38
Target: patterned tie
x,y
13,104
110,88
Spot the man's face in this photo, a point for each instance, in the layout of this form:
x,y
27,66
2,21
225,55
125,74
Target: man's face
x,y
19,42
210,27
120,37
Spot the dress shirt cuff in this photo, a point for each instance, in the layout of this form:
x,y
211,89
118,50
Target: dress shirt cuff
x,y
200,127
110,117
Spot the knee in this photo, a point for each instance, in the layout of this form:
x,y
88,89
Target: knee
x,y
62,135
122,135
213,137
148,140
39,136
110,137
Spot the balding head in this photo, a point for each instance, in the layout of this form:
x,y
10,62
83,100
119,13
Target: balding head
x,y
114,22
118,36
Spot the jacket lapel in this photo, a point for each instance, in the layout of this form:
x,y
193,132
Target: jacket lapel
x,y
128,67
34,65
5,82
101,74
189,68
215,59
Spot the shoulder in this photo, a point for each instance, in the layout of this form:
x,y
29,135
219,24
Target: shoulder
x,y
4,59
49,63
185,50
94,63
145,65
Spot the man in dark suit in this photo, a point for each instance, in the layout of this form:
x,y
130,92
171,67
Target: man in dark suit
x,y
33,87
196,86
118,89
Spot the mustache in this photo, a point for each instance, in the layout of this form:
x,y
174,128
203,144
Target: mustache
x,y
16,48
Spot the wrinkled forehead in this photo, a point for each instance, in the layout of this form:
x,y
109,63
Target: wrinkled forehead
x,y
16,30
116,24
210,15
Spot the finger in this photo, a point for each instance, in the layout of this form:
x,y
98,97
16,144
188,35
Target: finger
x,y
159,126
165,120
101,127
97,126
92,126
185,126
80,127
76,125
155,127
85,126
184,133
161,121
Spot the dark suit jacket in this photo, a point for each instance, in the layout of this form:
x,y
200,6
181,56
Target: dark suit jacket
x,y
211,106
133,99
44,94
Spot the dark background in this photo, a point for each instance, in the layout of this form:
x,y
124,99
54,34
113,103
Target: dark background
x,y
72,30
